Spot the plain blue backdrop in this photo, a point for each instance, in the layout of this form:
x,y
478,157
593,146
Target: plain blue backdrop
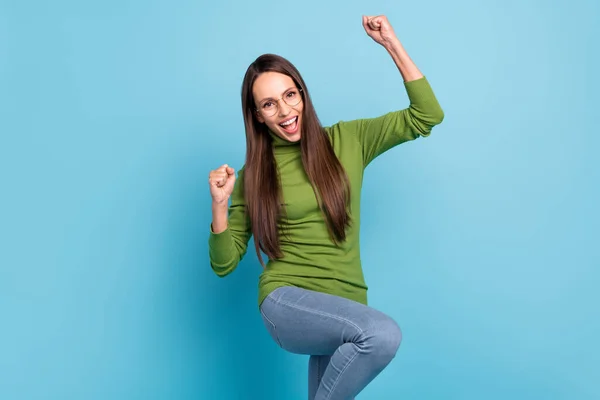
x,y
481,240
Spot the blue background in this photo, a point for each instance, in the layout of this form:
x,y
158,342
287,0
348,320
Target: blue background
x,y
481,240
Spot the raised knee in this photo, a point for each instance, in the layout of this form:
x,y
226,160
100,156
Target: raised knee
x,y
386,338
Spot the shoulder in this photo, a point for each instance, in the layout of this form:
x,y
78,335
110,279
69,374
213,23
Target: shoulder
x,y
344,130
344,127
240,171
238,189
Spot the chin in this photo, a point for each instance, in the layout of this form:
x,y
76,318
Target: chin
x,y
292,138
292,135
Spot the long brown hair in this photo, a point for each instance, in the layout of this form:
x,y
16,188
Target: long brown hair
x,y
261,181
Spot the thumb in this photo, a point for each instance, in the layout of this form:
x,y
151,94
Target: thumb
x,y
365,22
230,171
223,167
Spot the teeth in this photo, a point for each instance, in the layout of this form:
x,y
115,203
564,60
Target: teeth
x,y
291,121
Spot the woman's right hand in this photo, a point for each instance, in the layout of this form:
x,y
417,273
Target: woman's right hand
x,y
221,182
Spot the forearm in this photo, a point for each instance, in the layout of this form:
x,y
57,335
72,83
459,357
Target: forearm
x,y
406,66
228,239
219,217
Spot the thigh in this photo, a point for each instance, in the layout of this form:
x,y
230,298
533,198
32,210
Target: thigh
x,y
308,322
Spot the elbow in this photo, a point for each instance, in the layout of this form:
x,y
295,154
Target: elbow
x,y
221,273
431,118
424,121
223,270
434,118
437,117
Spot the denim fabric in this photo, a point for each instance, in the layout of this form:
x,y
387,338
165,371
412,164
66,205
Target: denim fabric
x,y
348,342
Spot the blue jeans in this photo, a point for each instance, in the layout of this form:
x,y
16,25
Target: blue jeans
x,y
349,343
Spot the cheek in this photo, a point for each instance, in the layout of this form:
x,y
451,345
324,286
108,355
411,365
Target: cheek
x,y
271,124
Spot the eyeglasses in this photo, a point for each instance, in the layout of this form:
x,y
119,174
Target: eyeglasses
x,y
270,107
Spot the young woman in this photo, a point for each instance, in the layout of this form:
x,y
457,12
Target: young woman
x,y
298,194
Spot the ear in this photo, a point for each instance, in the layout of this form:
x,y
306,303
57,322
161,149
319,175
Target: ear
x,y
259,117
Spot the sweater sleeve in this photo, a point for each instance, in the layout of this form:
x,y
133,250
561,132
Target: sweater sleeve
x,y
227,248
378,135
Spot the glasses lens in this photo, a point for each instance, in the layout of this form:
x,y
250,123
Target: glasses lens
x,y
292,97
269,108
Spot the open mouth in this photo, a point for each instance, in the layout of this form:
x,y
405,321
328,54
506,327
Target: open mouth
x,y
290,125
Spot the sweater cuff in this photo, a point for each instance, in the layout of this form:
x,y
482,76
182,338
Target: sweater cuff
x,y
219,245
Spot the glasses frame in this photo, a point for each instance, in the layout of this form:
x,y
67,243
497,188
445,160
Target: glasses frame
x,y
259,110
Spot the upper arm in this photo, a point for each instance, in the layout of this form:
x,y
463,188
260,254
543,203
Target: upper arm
x,y
378,135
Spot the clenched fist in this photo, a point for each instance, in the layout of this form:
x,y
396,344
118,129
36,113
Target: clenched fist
x,y
221,182
379,29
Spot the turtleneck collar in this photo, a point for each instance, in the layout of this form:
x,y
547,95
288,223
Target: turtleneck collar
x,y
282,145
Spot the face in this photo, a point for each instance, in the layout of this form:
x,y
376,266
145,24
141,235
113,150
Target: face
x,y
277,94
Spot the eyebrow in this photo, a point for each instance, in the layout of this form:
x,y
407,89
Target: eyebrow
x,y
284,92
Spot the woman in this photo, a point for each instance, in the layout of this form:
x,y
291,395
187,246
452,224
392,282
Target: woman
x,y
298,194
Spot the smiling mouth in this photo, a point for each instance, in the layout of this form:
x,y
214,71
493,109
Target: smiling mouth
x,y
290,125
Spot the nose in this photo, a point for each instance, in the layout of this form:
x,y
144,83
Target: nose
x,y
284,109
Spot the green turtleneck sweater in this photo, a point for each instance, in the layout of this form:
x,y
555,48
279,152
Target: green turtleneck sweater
x,y
311,260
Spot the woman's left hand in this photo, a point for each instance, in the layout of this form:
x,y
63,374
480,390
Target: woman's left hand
x,y
379,29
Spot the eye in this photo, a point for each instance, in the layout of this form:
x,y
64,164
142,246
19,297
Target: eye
x,y
291,94
267,104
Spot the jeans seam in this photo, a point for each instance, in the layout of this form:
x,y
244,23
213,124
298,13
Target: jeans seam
x,y
324,314
274,327
340,375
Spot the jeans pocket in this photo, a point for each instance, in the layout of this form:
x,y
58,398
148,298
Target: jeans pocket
x,y
270,327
